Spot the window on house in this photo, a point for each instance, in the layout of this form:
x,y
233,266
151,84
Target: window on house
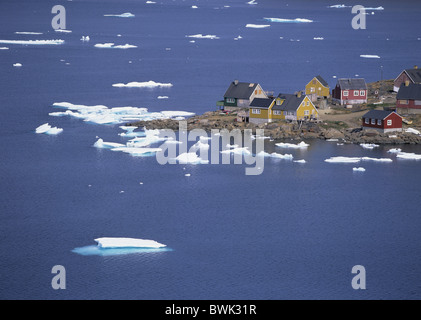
x,y
255,91
308,103
306,112
403,101
230,100
362,93
389,122
255,111
373,121
277,112
260,91
346,93
367,121
379,122
356,93
312,89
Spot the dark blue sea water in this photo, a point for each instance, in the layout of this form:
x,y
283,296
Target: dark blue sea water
x,y
294,232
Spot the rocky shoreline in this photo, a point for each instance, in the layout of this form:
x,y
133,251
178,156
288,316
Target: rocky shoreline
x,y
284,130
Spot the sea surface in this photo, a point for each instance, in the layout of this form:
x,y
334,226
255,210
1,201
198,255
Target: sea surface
x,y
293,232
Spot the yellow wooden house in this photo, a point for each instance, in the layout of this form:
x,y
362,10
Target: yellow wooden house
x,y
293,107
317,88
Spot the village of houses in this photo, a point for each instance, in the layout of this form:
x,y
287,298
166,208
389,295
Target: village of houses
x,y
381,112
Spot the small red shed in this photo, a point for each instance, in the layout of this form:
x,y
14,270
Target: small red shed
x,y
384,121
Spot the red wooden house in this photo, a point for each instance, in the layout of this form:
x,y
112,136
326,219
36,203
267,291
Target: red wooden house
x,y
407,76
350,91
384,121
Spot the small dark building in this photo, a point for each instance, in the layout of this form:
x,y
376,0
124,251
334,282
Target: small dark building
x,y
240,95
384,121
350,91
408,99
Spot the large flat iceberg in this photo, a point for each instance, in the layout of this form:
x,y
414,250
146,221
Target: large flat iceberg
x,y
301,145
147,84
281,20
122,15
127,243
34,42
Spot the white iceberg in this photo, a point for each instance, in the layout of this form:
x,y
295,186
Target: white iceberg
x,y
190,158
252,2
201,36
408,156
106,145
148,84
257,26
194,7
318,38
110,45
17,64
376,159
332,140
369,56
281,20
150,2
369,145
123,15
339,6
63,30
85,38
263,154
300,161
4,48
26,32
343,160
33,42
375,8
281,156
359,169
137,151
243,150
395,150
301,145
162,97
47,129
127,243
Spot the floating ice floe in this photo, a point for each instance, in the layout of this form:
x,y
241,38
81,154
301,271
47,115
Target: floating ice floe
x,y
238,38
47,129
110,45
162,97
148,84
300,161
369,145
414,131
4,48
101,114
137,151
318,38
33,42
332,140
127,243
85,38
369,56
63,30
339,6
376,8
187,175
252,2
190,158
28,32
123,15
101,144
281,156
201,36
257,26
263,154
408,156
243,151
395,150
17,64
341,159
280,20
150,2
359,169
194,7
300,145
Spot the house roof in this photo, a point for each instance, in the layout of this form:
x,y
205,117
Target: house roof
x,y
352,84
322,81
291,103
261,102
378,114
411,92
241,90
414,74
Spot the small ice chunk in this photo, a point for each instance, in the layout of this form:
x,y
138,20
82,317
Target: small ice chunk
x,y
43,128
395,150
333,140
281,156
4,48
376,159
54,131
106,145
369,56
343,160
162,97
359,169
257,26
187,175
127,243
201,36
244,151
148,84
190,158
301,145
369,145
300,161
409,156
17,64
194,7
123,15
